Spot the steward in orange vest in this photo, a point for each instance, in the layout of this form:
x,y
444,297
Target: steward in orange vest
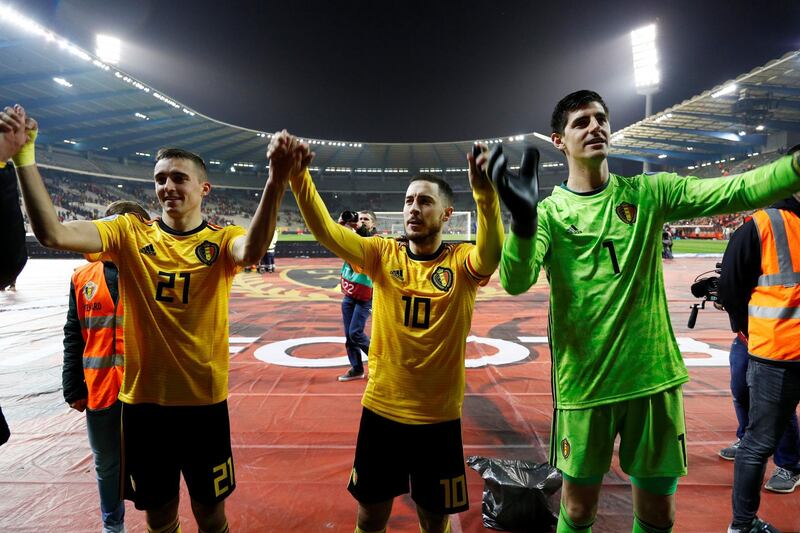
x,y
93,345
760,283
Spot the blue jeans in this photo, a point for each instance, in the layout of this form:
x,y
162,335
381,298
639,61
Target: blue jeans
x,y
354,315
787,454
103,427
774,395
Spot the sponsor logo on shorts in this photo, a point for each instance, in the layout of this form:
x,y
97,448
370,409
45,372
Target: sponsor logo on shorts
x,y
626,213
89,290
565,448
207,252
442,278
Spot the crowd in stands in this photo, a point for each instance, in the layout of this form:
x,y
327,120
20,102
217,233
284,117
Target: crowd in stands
x,y
80,197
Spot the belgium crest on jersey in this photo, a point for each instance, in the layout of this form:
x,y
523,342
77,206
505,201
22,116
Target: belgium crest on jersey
x,y
207,252
627,213
442,278
89,290
565,448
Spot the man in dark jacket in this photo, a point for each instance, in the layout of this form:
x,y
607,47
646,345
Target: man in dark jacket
x,y
12,238
741,274
92,371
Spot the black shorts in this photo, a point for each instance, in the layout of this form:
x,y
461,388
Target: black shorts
x,y
431,456
159,443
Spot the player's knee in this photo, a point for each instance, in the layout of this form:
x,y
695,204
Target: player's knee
x,y
163,519
373,517
579,512
210,518
432,523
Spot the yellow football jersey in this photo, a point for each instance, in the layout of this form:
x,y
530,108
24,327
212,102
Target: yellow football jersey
x,y
176,288
422,314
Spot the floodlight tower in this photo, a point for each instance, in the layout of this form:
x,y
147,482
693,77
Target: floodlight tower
x,y
645,68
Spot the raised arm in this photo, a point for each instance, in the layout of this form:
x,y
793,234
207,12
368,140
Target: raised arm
x,y
78,236
687,197
338,239
485,257
250,248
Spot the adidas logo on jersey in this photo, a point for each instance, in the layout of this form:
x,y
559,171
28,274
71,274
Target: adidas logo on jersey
x,y
148,250
573,229
397,274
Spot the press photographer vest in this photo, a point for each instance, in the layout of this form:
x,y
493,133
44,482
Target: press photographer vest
x,y
101,327
774,308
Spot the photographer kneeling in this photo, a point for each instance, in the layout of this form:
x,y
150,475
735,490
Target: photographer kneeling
x,y
759,287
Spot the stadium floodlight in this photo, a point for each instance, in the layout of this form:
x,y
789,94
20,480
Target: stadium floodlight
x,y
645,59
742,133
108,48
62,82
760,127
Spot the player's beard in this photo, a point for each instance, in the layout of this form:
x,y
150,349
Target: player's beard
x,y
429,234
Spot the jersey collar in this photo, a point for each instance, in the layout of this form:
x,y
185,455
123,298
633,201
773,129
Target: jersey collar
x,y
164,227
588,193
428,257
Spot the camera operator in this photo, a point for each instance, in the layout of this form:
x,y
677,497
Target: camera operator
x,y
760,289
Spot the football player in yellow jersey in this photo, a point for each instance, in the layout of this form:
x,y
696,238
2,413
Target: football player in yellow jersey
x,y
175,274
424,295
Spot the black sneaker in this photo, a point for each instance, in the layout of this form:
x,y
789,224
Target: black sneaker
x,y
783,481
756,526
729,453
351,374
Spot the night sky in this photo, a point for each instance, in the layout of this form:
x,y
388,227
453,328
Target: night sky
x,y
409,71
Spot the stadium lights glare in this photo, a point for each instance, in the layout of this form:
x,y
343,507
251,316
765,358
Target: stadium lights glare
x,y
742,133
108,48
728,89
760,127
141,116
70,141
662,156
143,154
104,148
690,148
62,82
645,59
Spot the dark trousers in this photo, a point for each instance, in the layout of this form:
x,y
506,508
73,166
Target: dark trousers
x,y
787,454
354,315
774,395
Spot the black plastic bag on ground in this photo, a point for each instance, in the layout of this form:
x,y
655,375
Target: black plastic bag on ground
x,y
515,494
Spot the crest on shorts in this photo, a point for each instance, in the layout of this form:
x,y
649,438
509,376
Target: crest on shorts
x,y
627,213
207,252
354,477
442,278
89,290
565,448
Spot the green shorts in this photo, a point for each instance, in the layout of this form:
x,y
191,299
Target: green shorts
x,y
652,432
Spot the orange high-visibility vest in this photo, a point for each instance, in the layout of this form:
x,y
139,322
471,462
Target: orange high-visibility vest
x,y
101,327
774,308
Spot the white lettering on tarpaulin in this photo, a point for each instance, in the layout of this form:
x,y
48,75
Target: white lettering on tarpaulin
x,y
508,352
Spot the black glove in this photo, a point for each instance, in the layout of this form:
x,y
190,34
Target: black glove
x,y
519,192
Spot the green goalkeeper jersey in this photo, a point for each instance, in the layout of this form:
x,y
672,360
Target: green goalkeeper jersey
x,y
610,334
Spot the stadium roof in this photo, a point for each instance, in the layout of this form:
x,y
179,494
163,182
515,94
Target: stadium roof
x,y
96,111
732,119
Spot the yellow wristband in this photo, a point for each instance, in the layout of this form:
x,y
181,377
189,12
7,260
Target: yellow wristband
x,y
27,154
2,164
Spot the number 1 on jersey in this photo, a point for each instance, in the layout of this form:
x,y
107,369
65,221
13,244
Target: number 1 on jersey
x,y
613,254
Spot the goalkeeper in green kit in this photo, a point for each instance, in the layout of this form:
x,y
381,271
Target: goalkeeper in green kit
x,y
616,365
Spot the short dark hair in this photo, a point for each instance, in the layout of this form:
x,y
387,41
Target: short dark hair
x,y
570,103
369,213
445,191
121,207
180,153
